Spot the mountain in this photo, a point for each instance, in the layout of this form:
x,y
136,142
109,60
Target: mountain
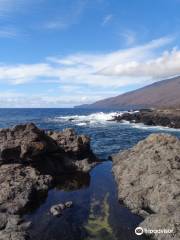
x,y
165,93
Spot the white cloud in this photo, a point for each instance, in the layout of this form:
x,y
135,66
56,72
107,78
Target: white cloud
x,y
98,69
18,99
8,32
9,6
107,19
68,17
129,37
24,73
86,78
58,24
168,64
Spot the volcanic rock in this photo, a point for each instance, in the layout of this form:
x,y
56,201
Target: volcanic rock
x,y
56,210
24,143
20,187
148,178
30,160
50,154
157,117
72,144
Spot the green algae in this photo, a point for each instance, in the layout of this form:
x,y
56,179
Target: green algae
x,y
98,226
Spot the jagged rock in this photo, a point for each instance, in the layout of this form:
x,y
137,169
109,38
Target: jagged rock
x,y
19,186
77,151
24,143
15,229
72,144
30,159
50,154
148,178
157,117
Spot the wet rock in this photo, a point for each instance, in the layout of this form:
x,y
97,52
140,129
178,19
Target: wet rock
x,y
157,117
30,160
148,178
69,204
56,210
72,182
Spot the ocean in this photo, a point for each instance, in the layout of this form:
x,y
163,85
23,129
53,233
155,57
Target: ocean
x,y
97,213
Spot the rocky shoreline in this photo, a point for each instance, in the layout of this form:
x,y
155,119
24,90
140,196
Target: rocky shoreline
x,y
148,178
30,161
152,117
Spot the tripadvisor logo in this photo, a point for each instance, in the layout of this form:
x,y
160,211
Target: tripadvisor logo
x,y
139,231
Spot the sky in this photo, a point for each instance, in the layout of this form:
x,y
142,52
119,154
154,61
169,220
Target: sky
x,y
62,53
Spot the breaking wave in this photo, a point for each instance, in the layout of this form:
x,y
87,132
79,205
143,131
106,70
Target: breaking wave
x,y
101,118
82,120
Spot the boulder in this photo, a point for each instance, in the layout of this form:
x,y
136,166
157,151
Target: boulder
x,y
20,186
24,143
77,153
148,178
30,161
69,204
76,146
57,210
51,153
157,117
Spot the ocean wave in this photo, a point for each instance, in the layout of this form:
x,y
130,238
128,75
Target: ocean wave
x,y
101,118
82,120
154,128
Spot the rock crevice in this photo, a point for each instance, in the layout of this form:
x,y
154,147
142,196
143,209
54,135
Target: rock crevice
x,y
30,160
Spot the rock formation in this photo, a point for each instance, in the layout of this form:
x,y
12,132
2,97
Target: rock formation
x,y
57,210
53,152
148,178
30,159
162,117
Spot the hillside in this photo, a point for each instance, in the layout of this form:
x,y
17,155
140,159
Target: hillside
x,y
165,93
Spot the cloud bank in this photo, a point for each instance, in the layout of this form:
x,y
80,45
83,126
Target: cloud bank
x,y
92,76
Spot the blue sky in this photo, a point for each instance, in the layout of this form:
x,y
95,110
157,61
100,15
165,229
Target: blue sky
x,y
61,53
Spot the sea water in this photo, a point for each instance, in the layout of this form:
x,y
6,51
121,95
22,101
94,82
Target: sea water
x,y
96,212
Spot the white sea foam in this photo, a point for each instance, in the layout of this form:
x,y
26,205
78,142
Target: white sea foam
x,y
155,128
81,120
105,118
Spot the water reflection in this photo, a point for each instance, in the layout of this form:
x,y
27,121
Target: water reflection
x,y
73,181
98,226
96,213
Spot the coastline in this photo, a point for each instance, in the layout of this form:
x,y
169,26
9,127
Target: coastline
x,y
147,176
30,162
35,164
152,117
